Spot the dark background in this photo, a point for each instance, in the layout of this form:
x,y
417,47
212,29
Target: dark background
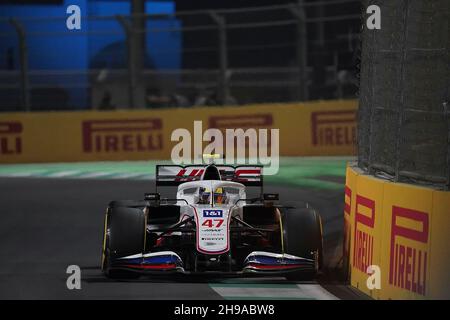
x,y
166,42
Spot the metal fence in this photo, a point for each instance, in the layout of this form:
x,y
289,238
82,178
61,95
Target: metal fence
x,y
404,124
234,56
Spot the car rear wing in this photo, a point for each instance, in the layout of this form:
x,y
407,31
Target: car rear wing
x,y
174,175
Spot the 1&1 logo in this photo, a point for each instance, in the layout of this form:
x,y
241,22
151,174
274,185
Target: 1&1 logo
x,y
212,213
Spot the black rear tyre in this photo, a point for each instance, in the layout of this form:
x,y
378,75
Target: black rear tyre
x,y
124,235
302,237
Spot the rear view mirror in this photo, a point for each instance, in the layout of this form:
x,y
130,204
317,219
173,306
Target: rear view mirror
x,y
151,196
271,196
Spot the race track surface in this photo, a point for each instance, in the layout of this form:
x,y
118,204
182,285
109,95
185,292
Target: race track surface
x,y
49,224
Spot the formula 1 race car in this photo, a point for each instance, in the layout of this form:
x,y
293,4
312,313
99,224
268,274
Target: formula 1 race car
x,y
211,227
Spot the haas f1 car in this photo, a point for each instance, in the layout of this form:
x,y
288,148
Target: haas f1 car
x,y
211,227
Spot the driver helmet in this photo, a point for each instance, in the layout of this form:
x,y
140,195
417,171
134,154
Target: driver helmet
x,y
220,196
204,195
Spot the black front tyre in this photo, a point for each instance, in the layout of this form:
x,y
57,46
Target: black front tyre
x,y
302,237
124,234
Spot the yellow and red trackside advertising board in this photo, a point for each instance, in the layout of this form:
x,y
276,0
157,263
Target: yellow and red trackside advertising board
x,y
306,129
402,229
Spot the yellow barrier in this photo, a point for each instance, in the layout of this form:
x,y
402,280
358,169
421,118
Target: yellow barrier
x,y
401,228
310,129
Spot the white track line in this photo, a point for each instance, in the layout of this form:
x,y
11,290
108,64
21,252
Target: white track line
x,y
94,175
317,291
251,290
18,174
61,174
